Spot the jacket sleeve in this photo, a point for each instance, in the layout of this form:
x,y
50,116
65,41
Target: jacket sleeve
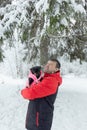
x,y
44,88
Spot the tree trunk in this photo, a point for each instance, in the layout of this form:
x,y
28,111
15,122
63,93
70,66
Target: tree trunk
x,y
44,50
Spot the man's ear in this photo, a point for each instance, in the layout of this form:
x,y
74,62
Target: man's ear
x,y
57,69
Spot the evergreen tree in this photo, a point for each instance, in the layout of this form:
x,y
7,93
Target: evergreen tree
x,y
50,28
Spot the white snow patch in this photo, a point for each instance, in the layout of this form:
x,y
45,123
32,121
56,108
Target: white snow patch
x,y
73,21
41,6
64,22
78,7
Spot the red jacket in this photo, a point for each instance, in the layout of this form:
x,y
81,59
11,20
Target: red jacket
x,y
46,87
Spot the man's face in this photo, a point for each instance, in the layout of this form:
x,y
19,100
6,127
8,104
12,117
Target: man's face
x,y
50,67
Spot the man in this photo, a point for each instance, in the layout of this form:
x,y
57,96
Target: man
x,y
42,97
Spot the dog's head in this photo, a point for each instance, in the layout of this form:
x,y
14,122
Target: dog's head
x,y
35,71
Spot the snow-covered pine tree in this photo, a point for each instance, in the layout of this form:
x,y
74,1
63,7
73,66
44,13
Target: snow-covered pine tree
x,y
43,28
64,16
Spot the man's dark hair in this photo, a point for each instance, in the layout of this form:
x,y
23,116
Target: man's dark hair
x,y
58,65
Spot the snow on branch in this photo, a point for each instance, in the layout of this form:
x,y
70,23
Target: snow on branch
x,y
65,36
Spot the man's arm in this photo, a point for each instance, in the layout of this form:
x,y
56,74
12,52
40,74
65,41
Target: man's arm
x,y
44,88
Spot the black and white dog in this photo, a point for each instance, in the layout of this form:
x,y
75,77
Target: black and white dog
x,y
35,76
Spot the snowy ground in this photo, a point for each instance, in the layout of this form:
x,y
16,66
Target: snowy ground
x,y
70,107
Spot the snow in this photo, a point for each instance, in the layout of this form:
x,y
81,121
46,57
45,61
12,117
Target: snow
x,y
70,106
73,68
73,21
41,6
13,13
64,22
78,7
84,2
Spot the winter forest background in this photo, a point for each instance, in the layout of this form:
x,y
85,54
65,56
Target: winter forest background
x,y
32,31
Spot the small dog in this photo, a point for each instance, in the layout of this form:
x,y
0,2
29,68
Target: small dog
x,y
35,75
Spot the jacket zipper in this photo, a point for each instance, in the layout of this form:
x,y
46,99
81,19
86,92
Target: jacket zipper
x,y
37,119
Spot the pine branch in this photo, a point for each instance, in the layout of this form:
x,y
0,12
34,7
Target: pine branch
x,y
66,36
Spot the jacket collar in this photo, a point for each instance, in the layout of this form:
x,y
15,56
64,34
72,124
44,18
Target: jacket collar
x,y
52,74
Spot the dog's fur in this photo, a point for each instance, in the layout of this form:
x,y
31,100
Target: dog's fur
x,y
36,71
